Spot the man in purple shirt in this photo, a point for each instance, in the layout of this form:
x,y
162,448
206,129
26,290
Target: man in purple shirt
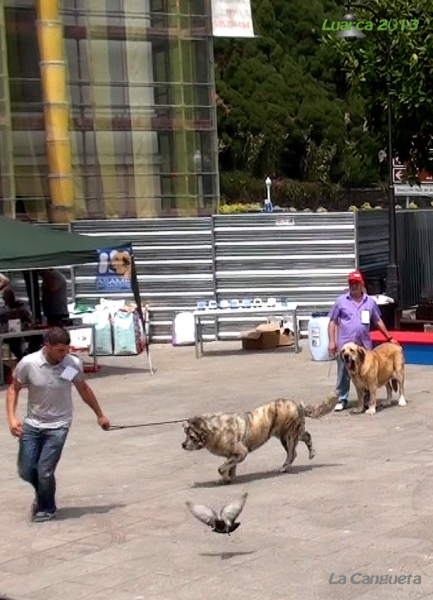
x,y
350,320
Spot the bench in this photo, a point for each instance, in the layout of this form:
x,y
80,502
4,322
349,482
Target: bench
x,y
417,345
407,324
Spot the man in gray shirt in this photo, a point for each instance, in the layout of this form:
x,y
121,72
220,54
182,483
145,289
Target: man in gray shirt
x,y
48,374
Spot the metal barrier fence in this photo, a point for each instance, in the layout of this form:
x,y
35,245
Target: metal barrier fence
x,y
415,253
304,257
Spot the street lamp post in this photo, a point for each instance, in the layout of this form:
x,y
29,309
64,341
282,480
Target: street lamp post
x,y
392,274
198,173
268,201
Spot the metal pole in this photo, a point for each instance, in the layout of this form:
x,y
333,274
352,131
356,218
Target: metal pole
x,y
392,271
392,275
213,106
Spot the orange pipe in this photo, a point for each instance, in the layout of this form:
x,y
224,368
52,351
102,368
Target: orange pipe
x,y
56,110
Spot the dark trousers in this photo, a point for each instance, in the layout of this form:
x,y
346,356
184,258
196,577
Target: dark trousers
x,y
39,453
15,346
58,320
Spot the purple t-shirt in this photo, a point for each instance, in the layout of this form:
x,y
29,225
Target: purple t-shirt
x,y
354,320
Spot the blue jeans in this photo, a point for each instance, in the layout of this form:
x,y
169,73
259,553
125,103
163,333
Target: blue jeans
x,y
343,380
39,452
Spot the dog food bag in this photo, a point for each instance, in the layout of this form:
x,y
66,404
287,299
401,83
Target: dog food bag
x,y
104,334
126,333
112,305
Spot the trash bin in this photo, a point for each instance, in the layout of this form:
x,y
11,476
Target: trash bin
x,y
387,309
374,285
318,339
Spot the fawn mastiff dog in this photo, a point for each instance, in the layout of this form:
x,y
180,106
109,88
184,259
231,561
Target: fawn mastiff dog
x,y
234,435
372,369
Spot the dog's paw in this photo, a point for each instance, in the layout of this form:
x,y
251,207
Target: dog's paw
x,y
371,410
402,402
284,469
312,454
357,411
225,481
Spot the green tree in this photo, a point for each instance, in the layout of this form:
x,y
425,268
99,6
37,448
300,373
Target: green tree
x,y
283,101
401,58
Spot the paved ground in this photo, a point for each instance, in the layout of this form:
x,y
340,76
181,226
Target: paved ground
x,y
363,505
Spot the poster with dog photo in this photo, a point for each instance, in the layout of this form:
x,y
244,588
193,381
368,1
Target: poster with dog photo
x,y
114,269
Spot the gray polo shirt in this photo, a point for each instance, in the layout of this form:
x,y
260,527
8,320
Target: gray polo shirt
x,y
49,403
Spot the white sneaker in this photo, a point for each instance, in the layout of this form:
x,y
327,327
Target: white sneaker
x,y
340,406
42,516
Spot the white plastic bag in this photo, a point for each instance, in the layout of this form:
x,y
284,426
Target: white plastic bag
x,y
183,333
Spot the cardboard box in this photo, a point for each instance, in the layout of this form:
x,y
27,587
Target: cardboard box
x,y
264,337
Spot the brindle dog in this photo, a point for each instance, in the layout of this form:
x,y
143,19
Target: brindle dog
x,y
234,435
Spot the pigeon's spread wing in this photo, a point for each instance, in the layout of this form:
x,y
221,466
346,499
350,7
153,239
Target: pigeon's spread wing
x,y
203,513
230,513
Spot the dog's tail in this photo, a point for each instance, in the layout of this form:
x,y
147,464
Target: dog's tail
x,y
394,384
315,411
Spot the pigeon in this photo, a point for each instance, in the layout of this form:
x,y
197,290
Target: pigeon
x,y
225,521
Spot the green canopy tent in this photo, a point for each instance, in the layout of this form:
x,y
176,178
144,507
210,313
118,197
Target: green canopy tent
x,y
27,247
24,246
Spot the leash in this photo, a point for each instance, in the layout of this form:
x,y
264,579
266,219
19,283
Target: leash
x,y
116,427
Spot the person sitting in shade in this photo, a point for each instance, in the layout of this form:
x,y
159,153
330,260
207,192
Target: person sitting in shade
x,y
15,309
4,281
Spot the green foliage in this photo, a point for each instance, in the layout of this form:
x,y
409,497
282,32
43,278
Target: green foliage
x,y
403,60
239,207
237,186
243,189
304,107
283,104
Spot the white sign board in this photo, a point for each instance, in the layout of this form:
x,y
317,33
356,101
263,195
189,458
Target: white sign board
x,y
404,189
285,222
232,18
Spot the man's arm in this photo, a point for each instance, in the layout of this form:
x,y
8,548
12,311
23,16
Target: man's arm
x,y
377,321
12,393
89,398
4,281
382,327
332,328
332,334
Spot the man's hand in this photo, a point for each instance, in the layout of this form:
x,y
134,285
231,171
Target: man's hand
x,y
104,423
332,348
16,427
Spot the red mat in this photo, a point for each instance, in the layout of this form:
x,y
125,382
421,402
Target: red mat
x,y
405,337
91,368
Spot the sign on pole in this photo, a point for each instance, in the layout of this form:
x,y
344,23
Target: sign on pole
x,y
404,189
114,269
232,18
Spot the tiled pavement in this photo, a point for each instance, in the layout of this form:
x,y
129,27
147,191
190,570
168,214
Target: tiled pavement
x,y
363,505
